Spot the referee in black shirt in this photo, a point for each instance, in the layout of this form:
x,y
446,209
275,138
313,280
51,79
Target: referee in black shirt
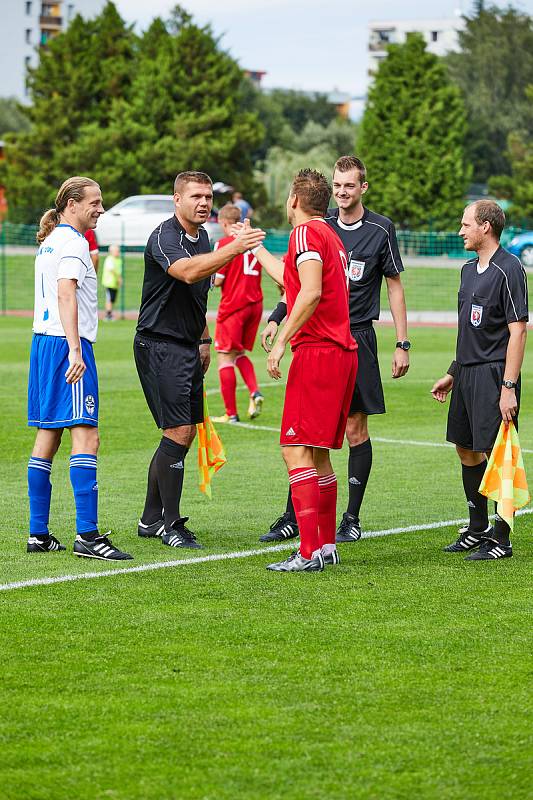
x,y
485,377
373,254
172,344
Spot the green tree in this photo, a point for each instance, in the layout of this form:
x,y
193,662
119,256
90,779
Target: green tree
x,y
12,116
518,186
80,77
411,139
493,68
131,112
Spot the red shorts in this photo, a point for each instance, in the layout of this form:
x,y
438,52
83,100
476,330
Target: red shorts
x,y
238,331
320,386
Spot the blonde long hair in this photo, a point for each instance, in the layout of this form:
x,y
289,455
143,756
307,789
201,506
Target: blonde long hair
x,y
71,189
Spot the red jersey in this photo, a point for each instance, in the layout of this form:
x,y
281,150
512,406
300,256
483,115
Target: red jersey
x,y
330,320
241,286
91,238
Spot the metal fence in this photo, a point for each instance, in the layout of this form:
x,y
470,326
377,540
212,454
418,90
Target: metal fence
x,y
430,286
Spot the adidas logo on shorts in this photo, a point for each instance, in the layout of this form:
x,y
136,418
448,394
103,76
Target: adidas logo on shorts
x,y
470,504
354,482
290,432
177,465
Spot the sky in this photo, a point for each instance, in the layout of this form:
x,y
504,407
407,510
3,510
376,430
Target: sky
x,y
302,44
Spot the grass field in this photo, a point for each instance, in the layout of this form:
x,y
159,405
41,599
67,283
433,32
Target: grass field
x,y
426,288
403,673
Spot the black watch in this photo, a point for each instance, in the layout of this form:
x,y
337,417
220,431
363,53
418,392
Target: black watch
x,y
405,345
509,384
206,341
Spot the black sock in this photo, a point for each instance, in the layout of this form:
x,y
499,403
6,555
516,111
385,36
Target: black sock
x,y
477,503
501,530
359,466
290,508
153,505
169,465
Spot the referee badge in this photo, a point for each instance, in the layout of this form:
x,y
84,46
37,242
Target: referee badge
x,y
476,312
356,269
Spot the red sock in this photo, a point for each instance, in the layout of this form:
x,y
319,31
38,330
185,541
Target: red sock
x,y
246,368
228,385
304,488
327,509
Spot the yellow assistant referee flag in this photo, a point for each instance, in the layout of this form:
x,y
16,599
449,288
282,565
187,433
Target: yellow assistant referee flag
x,y
505,479
211,455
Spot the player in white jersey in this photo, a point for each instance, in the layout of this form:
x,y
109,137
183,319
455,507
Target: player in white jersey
x,y
63,384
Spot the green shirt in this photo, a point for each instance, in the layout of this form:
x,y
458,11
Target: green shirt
x,y
112,272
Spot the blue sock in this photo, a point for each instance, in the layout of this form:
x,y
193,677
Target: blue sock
x,y
40,494
85,487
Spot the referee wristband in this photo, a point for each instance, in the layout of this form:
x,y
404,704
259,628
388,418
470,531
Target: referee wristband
x,y
279,313
206,341
452,369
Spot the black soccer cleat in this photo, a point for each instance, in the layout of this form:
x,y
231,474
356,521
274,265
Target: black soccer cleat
x,y
102,548
180,536
349,529
297,563
280,530
48,545
153,531
467,540
489,550
331,559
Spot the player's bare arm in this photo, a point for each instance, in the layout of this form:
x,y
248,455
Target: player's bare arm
x,y
307,299
513,365
192,270
270,332
442,388
68,314
274,266
400,358
205,351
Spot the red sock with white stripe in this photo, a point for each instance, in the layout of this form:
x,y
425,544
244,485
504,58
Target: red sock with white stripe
x,y
246,368
228,386
305,497
327,512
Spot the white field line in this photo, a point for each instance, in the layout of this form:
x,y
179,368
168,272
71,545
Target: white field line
x,y
415,442
384,440
182,562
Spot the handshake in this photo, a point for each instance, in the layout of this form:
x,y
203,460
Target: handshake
x,y
246,237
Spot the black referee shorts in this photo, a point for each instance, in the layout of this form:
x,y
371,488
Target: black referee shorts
x,y
368,393
474,416
172,380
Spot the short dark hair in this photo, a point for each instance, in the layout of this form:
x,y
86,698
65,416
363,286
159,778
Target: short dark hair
x,y
347,163
312,190
182,178
489,211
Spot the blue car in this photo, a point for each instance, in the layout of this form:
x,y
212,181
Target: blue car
x,y
521,245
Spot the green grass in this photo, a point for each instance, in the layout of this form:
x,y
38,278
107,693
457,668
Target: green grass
x,y
426,288
404,673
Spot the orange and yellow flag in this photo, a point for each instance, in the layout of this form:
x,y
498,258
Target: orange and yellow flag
x,y
505,479
211,455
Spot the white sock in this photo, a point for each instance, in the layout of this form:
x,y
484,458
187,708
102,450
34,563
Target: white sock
x,y
316,553
328,549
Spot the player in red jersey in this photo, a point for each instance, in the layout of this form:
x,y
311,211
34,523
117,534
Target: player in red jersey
x,y
94,252
238,318
322,374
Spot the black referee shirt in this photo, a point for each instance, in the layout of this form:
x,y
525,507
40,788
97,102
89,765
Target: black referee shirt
x,y
488,301
372,253
170,308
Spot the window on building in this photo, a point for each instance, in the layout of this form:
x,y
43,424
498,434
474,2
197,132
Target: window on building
x,y
434,36
28,35
28,7
70,11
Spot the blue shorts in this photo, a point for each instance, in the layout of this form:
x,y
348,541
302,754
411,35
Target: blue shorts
x,y
52,402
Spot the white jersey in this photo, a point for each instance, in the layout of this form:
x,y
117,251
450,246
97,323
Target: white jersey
x,y
65,254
